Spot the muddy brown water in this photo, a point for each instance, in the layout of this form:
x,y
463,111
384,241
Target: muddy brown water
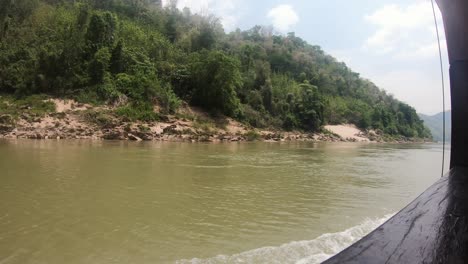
x,y
124,202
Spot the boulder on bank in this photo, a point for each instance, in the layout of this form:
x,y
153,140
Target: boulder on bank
x,y
113,135
171,130
6,128
133,137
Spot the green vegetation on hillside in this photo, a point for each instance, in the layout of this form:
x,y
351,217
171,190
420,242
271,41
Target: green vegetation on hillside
x,y
134,54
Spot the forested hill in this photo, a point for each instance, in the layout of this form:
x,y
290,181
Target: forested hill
x,y
435,124
135,53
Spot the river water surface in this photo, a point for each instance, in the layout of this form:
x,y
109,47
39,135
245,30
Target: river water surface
x,y
123,202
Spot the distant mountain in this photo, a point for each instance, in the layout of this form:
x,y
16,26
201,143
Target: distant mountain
x,y
435,124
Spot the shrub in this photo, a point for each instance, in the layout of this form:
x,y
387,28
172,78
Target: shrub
x,y
167,99
290,122
252,117
138,112
101,118
36,105
146,89
252,135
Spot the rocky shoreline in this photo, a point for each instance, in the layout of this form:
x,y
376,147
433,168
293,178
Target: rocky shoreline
x,y
174,131
77,121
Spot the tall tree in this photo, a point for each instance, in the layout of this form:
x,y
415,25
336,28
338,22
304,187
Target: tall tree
x,y
216,77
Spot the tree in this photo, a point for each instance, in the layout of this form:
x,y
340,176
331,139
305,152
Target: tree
x,y
103,4
101,31
99,66
5,4
171,29
216,77
267,96
206,38
310,107
21,9
117,60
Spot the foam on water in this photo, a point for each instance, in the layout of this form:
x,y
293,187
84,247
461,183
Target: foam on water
x,y
299,252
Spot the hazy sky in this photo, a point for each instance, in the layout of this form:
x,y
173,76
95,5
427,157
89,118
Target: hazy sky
x,y
391,42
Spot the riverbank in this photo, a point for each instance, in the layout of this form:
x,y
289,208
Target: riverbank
x,y
67,119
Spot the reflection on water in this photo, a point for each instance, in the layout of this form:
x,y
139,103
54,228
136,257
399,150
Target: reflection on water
x,y
123,202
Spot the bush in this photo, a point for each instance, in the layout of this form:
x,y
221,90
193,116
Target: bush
x,y
147,89
89,96
204,124
252,117
36,105
138,112
206,128
108,92
167,99
144,129
252,135
101,118
290,122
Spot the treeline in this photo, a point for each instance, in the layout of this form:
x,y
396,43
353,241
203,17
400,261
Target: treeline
x,y
136,53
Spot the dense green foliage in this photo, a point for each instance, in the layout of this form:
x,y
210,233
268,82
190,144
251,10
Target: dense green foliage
x,y
135,54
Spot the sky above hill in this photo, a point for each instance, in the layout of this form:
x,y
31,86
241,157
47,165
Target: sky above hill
x,y
391,42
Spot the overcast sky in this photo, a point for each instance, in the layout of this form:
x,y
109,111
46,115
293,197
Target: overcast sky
x,y
391,42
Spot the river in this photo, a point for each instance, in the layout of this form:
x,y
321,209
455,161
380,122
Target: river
x,y
124,202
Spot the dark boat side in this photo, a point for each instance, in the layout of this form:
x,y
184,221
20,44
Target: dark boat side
x,y
434,227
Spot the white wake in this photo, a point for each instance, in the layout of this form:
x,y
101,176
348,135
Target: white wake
x,y
299,252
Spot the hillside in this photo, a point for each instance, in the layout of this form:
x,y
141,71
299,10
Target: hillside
x,y
435,124
141,62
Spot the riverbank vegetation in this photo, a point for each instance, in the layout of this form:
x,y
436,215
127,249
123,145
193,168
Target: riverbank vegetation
x,y
146,61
